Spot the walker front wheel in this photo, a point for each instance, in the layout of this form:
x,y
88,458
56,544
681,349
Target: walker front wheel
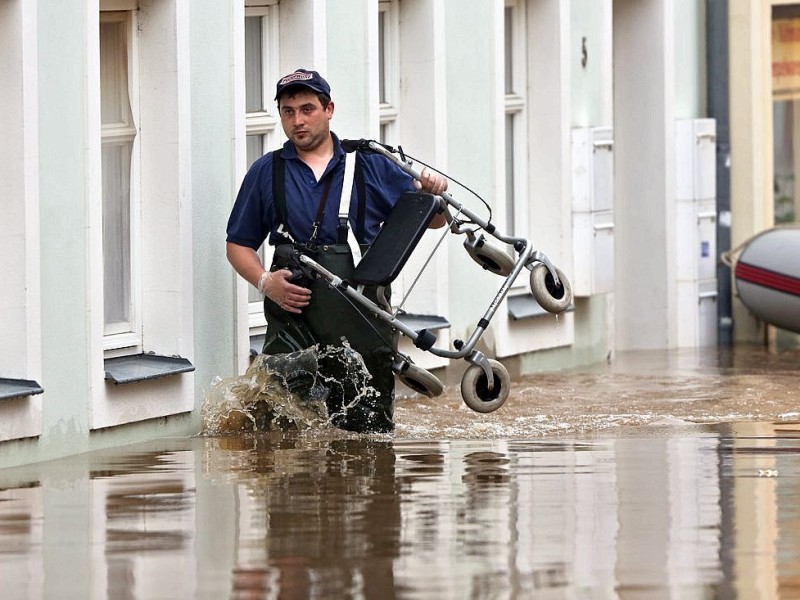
x,y
551,296
475,387
489,257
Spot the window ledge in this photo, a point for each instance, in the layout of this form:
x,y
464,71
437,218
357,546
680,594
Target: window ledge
x,y
256,344
18,388
526,307
419,322
143,367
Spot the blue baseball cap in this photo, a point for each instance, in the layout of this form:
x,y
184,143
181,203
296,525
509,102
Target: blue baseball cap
x,y
310,79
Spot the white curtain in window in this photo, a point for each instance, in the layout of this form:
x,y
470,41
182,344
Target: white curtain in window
x,y
254,68
118,134
117,236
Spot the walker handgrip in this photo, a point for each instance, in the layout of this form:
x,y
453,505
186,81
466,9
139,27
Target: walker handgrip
x,y
425,339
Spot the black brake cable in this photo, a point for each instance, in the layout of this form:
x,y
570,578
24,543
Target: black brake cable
x,y
403,155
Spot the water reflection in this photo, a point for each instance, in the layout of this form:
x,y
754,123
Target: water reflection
x,y
713,513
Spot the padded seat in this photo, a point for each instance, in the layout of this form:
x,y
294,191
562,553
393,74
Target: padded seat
x,y
397,239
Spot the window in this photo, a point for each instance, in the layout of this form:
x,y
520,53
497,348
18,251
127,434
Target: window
x,y
118,133
141,302
388,69
515,86
262,122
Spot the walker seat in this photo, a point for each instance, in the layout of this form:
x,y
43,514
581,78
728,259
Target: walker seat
x,y
397,239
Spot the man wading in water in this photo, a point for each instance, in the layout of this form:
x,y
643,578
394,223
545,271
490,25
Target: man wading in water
x,y
293,196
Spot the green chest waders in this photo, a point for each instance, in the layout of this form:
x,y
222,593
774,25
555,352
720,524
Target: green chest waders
x,y
328,319
325,321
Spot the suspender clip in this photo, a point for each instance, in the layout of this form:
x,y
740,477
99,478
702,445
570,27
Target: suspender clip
x,y
342,231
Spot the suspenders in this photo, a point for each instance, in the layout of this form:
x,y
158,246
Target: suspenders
x,y
353,176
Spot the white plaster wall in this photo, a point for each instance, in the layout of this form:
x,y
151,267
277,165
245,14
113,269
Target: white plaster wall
x,y
644,108
591,84
218,162
62,34
350,64
304,31
690,58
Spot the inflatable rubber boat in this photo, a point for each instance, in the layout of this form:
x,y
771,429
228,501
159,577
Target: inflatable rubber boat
x,y
767,276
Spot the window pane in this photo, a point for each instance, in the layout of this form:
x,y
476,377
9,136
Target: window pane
x,y
114,100
382,37
116,167
509,63
118,133
510,173
254,84
255,148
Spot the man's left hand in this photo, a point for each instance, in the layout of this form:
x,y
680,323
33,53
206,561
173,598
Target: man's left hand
x,y
432,182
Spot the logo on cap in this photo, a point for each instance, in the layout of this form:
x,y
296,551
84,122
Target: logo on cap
x,y
296,76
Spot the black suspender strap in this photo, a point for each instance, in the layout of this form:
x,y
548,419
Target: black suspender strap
x,y
279,185
320,211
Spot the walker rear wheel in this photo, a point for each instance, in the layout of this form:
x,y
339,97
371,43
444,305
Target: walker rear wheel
x,y
475,389
552,297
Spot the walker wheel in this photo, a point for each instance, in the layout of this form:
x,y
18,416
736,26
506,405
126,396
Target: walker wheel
x,y
421,381
490,257
554,298
475,389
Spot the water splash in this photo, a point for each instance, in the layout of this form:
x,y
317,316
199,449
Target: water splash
x,y
288,392
276,392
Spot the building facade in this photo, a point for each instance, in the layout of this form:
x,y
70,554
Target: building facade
x,y
129,124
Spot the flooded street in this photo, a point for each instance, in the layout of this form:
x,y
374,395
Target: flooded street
x,y
657,475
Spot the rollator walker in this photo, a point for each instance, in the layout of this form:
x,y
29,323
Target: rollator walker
x,y
486,383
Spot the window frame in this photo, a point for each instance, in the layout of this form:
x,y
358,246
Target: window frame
x,y
388,70
127,338
264,123
515,107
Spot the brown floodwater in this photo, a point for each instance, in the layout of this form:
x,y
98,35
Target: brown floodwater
x,y
656,475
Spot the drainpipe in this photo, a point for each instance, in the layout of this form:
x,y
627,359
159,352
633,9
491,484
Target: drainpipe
x,y
719,109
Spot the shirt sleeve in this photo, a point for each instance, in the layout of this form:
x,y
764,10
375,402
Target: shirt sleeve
x,y
253,215
385,182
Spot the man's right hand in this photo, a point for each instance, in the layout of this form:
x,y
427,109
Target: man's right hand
x,y
276,286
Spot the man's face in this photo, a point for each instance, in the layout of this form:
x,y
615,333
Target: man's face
x,y
304,120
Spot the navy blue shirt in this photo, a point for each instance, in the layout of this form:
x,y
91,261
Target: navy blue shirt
x,y
254,215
